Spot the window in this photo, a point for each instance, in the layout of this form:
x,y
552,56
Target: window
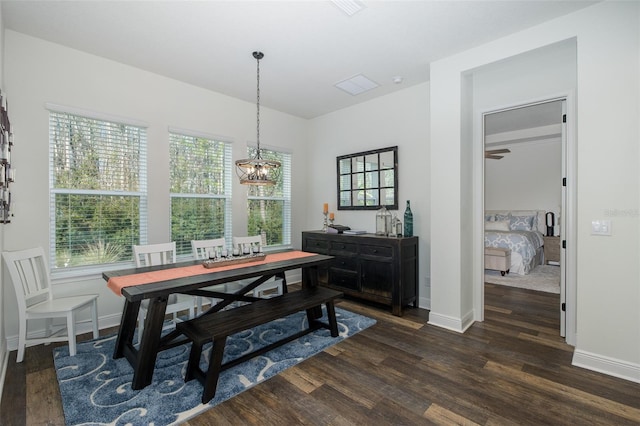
x,y
97,184
269,207
200,189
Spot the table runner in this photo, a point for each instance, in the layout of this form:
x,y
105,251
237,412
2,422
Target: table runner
x,y
116,284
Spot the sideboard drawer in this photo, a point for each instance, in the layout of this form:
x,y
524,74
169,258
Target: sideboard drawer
x,y
338,247
344,279
315,245
345,263
378,251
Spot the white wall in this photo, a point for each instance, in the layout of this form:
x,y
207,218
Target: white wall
x,y
38,71
3,342
608,97
401,119
527,178
536,166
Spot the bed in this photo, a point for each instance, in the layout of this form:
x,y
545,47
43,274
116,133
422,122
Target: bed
x,y
522,232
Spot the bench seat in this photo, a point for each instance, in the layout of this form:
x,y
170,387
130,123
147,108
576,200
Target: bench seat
x,y
497,259
218,326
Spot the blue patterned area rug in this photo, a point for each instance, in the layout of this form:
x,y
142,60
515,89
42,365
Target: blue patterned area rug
x,y
96,389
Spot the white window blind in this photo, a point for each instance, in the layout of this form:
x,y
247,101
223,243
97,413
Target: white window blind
x,y
269,207
97,185
200,181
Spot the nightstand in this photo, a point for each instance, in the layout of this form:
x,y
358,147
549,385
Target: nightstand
x,y
551,249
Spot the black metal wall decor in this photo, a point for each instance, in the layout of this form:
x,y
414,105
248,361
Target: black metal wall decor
x,y
7,174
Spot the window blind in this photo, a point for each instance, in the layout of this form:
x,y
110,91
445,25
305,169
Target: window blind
x,y
97,185
269,207
200,189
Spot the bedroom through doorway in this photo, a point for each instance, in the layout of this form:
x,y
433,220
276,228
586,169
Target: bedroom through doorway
x,y
524,198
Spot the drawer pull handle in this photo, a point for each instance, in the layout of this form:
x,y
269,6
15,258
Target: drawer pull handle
x,y
375,251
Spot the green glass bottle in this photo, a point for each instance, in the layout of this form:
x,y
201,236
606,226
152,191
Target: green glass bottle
x,y
408,221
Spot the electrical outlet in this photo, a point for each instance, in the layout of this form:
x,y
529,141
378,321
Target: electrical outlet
x,y
600,227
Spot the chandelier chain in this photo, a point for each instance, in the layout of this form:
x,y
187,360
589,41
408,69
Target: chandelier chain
x,y
258,109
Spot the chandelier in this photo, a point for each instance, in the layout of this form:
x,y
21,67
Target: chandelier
x,y
257,170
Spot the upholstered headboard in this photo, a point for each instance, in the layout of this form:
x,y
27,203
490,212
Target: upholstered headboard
x,y
539,221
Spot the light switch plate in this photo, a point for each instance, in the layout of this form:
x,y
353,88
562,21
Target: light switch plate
x,y
600,227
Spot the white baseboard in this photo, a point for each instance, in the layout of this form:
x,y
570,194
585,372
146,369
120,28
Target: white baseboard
x,y
606,365
459,325
424,302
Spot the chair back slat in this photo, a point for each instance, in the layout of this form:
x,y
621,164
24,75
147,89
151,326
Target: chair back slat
x,y
249,243
30,276
203,249
154,254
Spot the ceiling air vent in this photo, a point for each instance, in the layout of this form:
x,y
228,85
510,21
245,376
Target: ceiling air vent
x,y
350,7
356,85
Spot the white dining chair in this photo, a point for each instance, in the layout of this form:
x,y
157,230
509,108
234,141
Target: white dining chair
x,y
161,254
253,244
204,249
30,276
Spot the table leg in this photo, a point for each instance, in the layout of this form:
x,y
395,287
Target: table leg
x,y
149,343
128,323
311,281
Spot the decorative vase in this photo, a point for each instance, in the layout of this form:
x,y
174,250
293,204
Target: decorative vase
x,y
408,221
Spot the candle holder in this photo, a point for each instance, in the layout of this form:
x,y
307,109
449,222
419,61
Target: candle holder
x,y
325,224
331,219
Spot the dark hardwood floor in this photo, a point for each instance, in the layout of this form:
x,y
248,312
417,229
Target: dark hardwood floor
x,y
511,369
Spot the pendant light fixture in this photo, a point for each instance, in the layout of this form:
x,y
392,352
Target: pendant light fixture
x,y
257,171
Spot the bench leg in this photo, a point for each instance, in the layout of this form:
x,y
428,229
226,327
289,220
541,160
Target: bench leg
x,y
215,364
331,315
194,361
284,282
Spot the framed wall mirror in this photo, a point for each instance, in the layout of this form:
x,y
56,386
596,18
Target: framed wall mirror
x,y
368,180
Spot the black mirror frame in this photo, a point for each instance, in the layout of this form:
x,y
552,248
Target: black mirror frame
x,y
394,206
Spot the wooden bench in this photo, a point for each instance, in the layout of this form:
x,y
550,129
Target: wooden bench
x,y
218,326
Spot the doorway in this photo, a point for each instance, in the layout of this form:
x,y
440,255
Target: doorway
x,y
529,163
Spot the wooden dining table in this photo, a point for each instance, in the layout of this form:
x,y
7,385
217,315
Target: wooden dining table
x,y
157,283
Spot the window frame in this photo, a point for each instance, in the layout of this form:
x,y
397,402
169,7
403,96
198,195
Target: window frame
x,y
227,167
370,179
83,271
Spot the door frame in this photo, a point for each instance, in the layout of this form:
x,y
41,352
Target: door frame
x,y
568,217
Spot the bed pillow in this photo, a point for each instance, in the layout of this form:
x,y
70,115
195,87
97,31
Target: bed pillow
x,y
521,223
497,225
503,216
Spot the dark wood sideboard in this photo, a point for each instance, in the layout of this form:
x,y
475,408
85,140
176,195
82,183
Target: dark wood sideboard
x,y
368,266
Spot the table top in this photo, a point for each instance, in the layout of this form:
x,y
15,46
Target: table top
x,y
210,277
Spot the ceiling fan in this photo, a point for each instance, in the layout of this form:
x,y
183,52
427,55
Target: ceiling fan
x,y
493,153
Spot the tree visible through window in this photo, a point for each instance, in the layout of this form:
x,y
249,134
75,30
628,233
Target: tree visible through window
x,y
200,189
269,207
97,185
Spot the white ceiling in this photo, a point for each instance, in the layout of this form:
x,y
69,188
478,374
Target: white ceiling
x,y
308,45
